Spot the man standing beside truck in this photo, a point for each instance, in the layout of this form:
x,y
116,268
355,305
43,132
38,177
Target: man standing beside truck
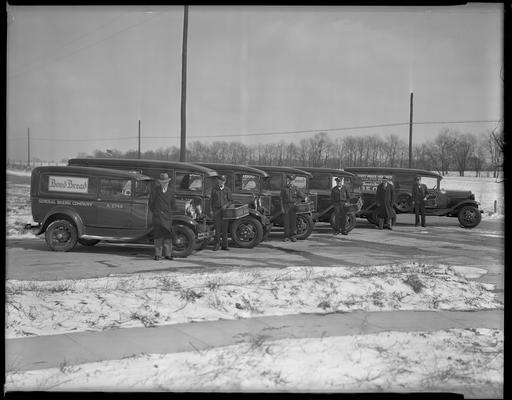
x,y
161,204
340,198
221,198
419,194
290,195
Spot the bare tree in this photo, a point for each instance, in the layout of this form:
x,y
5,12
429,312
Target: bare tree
x,y
496,146
463,150
443,148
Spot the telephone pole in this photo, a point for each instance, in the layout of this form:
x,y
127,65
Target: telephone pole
x,y
183,147
28,147
410,133
139,141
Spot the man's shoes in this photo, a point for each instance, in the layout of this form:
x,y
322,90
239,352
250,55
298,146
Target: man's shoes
x,y
216,247
423,226
286,239
294,239
335,233
156,258
169,257
344,233
225,248
389,227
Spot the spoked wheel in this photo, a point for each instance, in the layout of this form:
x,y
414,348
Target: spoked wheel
x,y
61,235
469,216
349,224
246,232
183,242
305,226
404,203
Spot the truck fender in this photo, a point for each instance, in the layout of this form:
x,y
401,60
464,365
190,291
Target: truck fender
x,y
62,212
186,221
454,210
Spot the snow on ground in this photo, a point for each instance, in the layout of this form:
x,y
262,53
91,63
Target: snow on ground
x,y
468,361
53,307
460,360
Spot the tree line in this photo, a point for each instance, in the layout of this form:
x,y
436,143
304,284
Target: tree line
x,y
449,150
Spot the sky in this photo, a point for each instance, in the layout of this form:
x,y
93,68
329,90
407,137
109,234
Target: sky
x,y
81,78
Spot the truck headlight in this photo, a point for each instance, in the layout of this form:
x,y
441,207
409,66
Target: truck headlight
x,y
190,210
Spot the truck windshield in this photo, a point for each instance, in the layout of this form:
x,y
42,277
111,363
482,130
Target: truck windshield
x,y
189,182
301,182
322,182
247,183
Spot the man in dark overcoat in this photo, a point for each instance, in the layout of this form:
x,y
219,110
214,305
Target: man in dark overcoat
x,y
419,195
290,195
221,198
340,198
161,204
385,199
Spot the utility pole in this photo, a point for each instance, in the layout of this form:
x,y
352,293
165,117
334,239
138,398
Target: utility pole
x,y
410,133
183,147
28,147
139,140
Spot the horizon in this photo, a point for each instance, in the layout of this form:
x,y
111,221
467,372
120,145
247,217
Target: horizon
x,y
81,78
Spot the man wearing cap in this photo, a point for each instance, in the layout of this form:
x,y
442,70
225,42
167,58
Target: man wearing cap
x,y
290,195
161,204
419,195
221,198
340,198
385,198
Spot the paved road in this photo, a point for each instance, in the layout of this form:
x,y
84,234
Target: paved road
x,y
443,241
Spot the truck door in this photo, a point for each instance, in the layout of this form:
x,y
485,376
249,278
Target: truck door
x,y
114,203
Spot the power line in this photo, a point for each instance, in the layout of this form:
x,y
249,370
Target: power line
x,y
86,47
260,133
28,66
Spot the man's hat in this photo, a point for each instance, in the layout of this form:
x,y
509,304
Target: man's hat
x,y
337,179
222,178
418,178
164,178
385,177
290,177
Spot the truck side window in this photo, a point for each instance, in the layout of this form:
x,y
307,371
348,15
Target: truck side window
x,y
142,188
120,188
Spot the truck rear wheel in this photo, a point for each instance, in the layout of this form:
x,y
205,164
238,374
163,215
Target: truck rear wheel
x,y
61,235
246,232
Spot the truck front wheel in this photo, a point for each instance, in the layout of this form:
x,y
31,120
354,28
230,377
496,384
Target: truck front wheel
x,y
183,242
246,232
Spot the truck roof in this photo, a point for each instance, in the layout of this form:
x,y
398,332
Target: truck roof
x,y
288,170
333,171
245,168
379,170
156,164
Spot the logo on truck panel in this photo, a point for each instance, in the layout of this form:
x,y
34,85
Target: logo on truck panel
x,y
68,184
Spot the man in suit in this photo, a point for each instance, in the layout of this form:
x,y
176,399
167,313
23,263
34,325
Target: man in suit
x,y
385,199
419,195
290,195
161,203
221,198
340,198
